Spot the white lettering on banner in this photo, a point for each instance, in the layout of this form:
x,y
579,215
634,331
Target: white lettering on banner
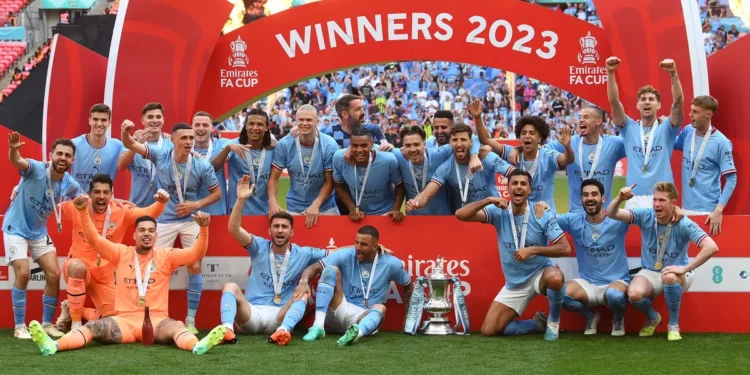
x,y
549,38
588,75
238,75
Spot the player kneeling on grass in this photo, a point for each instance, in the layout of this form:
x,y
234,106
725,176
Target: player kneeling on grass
x,y
664,256
353,285
602,261
524,255
277,265
143,271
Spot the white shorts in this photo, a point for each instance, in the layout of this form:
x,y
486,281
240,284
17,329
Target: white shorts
x,y
262,320
167,234
518,299
694,213
339,320
640,201
655,279
332,212
17,247
595,293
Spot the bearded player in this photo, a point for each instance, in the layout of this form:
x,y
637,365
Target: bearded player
x,y
602,261
455,175
525,260
353,287
664,255
43,186
184,177
706,158
277,265
135,293
648,143
85,272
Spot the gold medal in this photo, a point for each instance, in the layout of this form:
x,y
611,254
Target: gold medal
x,y
356,210
141,301
644,169
367,305
658,265
98,261
692,182
277,299
59,228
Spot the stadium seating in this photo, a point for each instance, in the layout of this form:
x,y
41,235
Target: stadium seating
x,y
13,6
10,52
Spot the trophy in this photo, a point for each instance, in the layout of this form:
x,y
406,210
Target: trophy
x,y
438,304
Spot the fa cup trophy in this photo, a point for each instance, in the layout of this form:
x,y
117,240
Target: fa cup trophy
x,y
438,304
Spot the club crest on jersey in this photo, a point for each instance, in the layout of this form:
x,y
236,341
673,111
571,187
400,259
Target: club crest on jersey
x,y
153,267
12,249
179,175
365,274
256,161
660,237
97,160
595,236
307,160
591,156
362,178
278,267
50,193
468,176
111,225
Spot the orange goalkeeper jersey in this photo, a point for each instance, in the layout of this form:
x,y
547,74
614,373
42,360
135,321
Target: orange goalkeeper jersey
x,y
165,261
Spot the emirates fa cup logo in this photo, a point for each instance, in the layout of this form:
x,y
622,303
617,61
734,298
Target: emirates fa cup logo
x,y
588,54
239,57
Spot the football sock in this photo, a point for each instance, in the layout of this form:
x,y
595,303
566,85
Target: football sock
x,y
75,339
184,339
49,306
76,298
294,315
556,298
324,295
571,304
228,309
195,288
646,307
19,306
520,327
673,297
370,322
616,302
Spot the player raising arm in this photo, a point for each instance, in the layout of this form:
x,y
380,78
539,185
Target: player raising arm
x,y
664,256
525,261
277,265
150,267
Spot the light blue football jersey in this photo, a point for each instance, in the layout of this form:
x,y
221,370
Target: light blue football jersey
x,y
379,193
285,156
682,233
259,290
202,176
355,276
238,167
482,184
27,215
543,184
539,233
220,207
142,173
716,161
659,167
91,161
600,247
438,205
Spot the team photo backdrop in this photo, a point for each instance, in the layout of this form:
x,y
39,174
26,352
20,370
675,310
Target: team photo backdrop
x,y
185,63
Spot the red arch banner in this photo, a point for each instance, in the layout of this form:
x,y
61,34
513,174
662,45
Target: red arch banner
x,y
306,41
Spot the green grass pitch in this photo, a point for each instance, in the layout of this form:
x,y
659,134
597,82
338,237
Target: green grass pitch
x,y
394,353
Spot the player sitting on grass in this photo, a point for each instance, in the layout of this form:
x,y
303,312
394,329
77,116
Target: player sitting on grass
x,y
151,291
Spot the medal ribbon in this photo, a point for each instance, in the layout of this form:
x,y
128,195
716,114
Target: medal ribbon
x,y
56,206
534,165
142,284
647,150
152,170
523,227
302,161
358,195
366,293
697,158
593,162
661,246
278,281
425,169
180,192
251,168
463,189
210,149
106,218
